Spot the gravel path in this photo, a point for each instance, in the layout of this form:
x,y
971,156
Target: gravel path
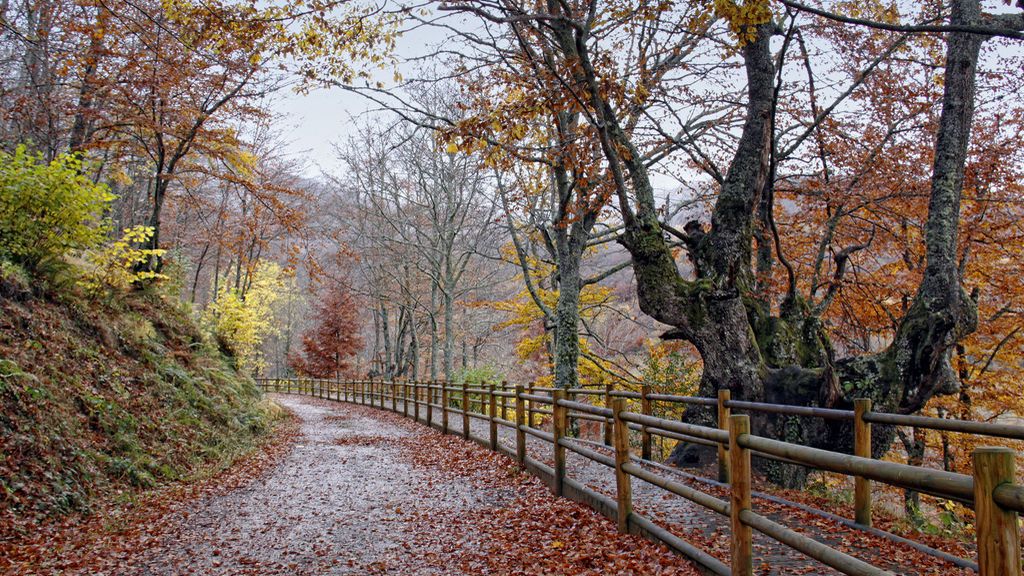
x,y
366,492
329,508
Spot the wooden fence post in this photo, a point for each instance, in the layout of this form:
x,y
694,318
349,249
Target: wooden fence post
x,y
492,414
998,531
416,400
289,386
465,409
444,407
623,482
529,405
724,396
610,421
504,401
739,499
558,425
645,435
862,448
520,422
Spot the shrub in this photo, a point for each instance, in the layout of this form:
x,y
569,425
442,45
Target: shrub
x,y
48,210
115,266
241,322
477,375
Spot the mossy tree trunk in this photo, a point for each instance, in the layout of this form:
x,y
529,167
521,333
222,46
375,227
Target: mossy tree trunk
x,y
787,357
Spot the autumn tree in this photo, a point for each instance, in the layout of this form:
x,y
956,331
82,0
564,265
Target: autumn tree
x,y
152,87
328,347
760,348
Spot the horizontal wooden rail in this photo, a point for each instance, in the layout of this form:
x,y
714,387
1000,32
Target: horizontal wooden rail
x,y
948,424
678,488
939,482
826,555
695,400
539,398
587,452
1010,496
992,491
588,408
713,434
810,411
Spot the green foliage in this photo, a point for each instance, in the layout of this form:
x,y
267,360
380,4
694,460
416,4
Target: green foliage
x,y
14,279
48,210
241,322
669,370
115,266
478,375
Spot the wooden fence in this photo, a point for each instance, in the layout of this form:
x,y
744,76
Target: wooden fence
x,y
991,490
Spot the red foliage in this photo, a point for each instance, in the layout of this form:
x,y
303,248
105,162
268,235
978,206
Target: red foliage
x,y
328,346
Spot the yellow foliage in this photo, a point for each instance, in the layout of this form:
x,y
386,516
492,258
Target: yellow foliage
x,y
48,210
744,17
115,266
242,322
523,313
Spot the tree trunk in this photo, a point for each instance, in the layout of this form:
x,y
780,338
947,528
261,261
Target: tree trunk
x,y
433,331
788,358
155,263
449,332
567,312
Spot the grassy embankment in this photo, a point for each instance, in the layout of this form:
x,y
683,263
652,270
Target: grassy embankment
x,y
102,400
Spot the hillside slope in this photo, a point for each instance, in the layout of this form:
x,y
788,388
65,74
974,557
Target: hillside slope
x,y
99,400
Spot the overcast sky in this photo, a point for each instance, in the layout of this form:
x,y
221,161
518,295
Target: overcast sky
x,y
313,122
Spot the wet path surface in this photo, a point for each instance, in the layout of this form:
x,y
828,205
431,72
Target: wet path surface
x,y
366,492
329,508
